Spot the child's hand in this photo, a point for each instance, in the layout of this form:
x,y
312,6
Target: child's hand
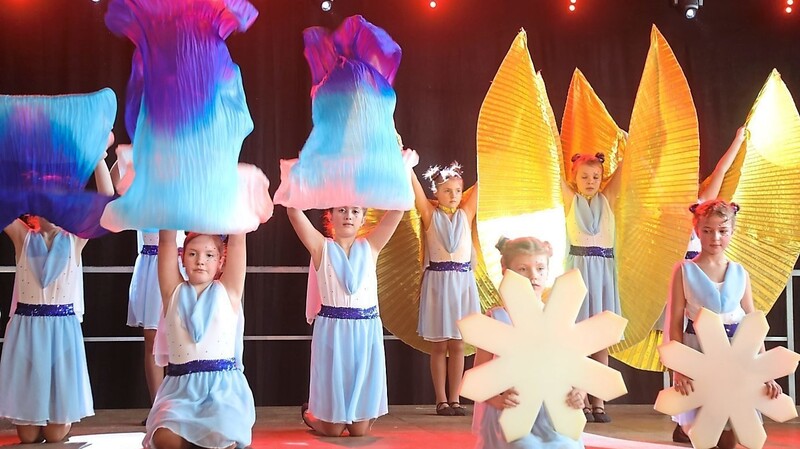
x,y
682,383
773,389
741,133
576,398
504,400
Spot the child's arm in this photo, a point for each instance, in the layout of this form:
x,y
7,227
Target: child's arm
x,y
567,194
102,179
169,274
424,207
773,389
312,239
674,323
470,206
235,268
504,400
380,235
718,175
17,231
611,191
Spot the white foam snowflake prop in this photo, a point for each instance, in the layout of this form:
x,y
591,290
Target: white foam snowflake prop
x,y
728,379
543,355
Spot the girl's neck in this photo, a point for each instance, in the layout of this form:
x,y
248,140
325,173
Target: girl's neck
x,y
199,288
715,259
448,210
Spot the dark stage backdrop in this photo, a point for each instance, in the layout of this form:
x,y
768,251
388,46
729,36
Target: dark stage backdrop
x,y
450,55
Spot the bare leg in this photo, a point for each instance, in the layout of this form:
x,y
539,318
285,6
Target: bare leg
x,y
53,433
152,372
164,438
326,428
455,368
439,370
30,434
727,440
598,406
360,428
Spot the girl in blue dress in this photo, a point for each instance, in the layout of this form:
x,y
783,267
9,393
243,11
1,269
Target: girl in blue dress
x,y
347,389
528,257
590,233
713,282
205,399
449,291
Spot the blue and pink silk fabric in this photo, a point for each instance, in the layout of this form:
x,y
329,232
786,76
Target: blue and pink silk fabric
x,y
49,147
352,156
187,116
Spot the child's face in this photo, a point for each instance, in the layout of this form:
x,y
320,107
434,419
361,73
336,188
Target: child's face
x,y
449,192
715,233
347,220
588,178
532,266
202,259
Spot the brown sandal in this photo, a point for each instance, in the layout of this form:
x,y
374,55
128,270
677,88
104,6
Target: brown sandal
x,y
458,410
599,414
444,409
587,413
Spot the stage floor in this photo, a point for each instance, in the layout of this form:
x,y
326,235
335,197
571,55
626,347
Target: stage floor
x,y
406,427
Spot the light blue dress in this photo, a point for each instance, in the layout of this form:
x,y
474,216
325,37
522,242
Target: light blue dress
x,y
449,291
348,365
486,425
722,298
144,294
205,397
43,374
590,234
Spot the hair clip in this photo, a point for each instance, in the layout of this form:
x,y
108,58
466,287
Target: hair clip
x,y
600,157
575,157
693,207
735,208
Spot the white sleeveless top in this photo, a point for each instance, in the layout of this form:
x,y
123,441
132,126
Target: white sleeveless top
x,y
67,288
219,340
151,238
334,295
435,249
578,236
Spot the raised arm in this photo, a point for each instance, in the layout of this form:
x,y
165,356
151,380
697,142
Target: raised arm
x,y
424,207
711,191
380,235
235,268
17,230
312,239
470,206
169,274
676,306
612,188
102,179
567,194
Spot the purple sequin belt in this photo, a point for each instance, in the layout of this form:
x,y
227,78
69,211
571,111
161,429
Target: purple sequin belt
x,y
44,309
200,366
348,313
691,255
150,250
730,329
593,251
450,266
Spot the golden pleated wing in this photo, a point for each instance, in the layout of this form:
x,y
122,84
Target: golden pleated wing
x,y
587,127
766,240
518,167
659,181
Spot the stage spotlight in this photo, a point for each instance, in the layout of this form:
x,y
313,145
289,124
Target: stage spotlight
x,y
432,4
688,7
326,5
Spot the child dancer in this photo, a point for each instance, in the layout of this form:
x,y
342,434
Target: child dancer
x,y
348,369
530,258
45,382
204,400
590,231
448,292
712,281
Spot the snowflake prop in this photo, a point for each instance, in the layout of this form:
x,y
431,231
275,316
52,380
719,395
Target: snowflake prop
x,y
543,355
728,380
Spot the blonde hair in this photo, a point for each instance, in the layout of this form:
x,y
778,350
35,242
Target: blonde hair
x,y
598,159
509,249
717,207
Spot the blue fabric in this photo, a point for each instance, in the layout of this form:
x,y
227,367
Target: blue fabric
x,y
187,111
724,301
49,147
351,156
209,409
43,371
449,230
445,298
588,214
486,423
600,276
196,311
48,264
350,270
348,370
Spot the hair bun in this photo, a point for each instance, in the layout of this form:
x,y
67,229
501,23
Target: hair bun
x,y
501,243
693,207
600,157
575,157
735,207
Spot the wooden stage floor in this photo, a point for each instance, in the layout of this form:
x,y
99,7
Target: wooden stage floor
x,y
406,427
